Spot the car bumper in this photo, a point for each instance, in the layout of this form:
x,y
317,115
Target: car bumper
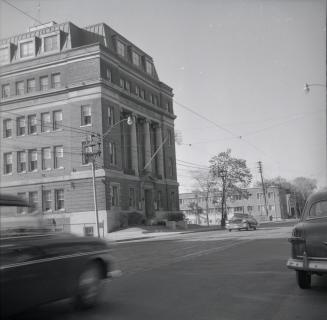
x,y
114,274
236,226
307,265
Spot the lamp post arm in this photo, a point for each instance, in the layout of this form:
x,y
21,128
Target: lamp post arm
x,y
161,145
116,124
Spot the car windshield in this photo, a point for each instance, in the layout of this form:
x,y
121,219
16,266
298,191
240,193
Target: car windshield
x,y
18,221
237,220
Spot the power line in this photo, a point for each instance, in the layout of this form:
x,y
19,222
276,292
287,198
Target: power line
x,y
21,11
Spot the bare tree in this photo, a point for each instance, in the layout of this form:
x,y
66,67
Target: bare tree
x,y
205,186
231,174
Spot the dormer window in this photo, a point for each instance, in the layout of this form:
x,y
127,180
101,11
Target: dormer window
x,y
148,67
136,58
50,43
120,48
27,49
4,55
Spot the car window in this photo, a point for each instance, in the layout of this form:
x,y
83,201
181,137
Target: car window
x,y
318,209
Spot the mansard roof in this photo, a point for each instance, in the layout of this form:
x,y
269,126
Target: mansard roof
x,y
72,36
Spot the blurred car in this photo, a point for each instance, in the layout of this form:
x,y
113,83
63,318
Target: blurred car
x,y
39,266
242,223
309,241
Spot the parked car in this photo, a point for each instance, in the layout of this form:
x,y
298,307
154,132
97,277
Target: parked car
x,y
39,266
239,223
309,241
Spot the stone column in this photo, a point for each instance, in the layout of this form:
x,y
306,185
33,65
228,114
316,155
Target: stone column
x,y
147,146
134,149
160,151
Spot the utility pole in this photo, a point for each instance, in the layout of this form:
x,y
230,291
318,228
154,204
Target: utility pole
x,y
263,186
92,151
222,173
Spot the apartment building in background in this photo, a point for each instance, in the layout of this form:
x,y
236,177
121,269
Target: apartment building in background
x,y
61,84
280,205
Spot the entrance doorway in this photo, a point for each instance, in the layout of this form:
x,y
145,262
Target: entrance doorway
x,y
148,203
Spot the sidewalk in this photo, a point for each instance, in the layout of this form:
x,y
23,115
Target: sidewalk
x,y
146,232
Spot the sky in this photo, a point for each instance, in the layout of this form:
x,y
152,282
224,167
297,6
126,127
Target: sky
x,y
237,68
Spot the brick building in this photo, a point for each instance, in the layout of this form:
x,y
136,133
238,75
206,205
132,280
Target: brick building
x,y
60,84
280,205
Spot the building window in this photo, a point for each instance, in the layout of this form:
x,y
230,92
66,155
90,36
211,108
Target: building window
x,y
108,74
112,153
46,158
168,107
7,163
21,161
111,116
57,120
127,86
122,83
26,49
45,122
22,196
46,200
19,88
4,55
171,167
32,124
21,126
59,199
170,138
271,207
32,159
156,102
120,48
173,200
55,80
30,85
86,115
50,43
142,93
238,209
137,90
44,83
5,91
271,195
86,150
159,200
136,58
148,67
33,201
249,208
151,97
132,202
114,196
7,128
59,157
88,231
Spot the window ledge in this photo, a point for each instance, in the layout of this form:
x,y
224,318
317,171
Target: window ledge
x,y
85,125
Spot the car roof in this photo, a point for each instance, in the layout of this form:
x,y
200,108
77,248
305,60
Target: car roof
x,y
11,200
318,196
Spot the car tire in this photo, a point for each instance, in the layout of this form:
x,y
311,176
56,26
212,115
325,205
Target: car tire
x,y
230,230
303,279
254,228
88,287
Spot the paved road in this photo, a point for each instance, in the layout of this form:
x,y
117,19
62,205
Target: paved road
x,y
207,275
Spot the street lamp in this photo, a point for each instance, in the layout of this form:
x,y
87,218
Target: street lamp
x,y
308,85
91,153
307,90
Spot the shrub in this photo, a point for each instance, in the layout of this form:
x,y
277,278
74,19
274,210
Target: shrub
x,y
175,216
135,218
